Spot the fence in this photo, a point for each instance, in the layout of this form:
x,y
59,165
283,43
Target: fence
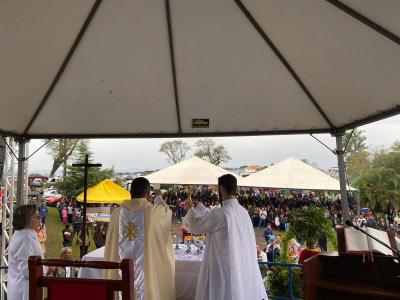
x,y
290,267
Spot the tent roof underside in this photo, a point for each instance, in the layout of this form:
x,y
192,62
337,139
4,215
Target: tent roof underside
x,y
179,68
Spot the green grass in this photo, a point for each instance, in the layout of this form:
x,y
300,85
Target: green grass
x,y
54,243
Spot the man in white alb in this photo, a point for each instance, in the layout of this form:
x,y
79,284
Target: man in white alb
x,y
229,270
141,231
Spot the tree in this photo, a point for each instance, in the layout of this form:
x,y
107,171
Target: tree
x,y
176,151
73,181
356,142
379,187
358,163
396,147
215,154
61,150
388,158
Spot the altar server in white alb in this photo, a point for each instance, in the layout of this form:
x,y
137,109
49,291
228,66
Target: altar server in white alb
x,y
140,231
229,270
24,243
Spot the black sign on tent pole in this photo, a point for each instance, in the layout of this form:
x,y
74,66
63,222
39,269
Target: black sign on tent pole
x,y
86,167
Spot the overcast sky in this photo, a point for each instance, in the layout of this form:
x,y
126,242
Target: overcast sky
x,y
143,154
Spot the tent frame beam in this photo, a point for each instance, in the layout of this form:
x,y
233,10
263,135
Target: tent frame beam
x,y
64,65
322,143
366,21
168,135
370,119
357,123
173,67
284,61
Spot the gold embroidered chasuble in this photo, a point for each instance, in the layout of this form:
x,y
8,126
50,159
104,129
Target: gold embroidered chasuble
x,y
159,257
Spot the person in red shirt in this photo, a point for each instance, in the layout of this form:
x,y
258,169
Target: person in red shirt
x,y
308,252
185,233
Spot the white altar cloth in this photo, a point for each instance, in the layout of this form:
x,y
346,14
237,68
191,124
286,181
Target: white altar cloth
x,y
187,268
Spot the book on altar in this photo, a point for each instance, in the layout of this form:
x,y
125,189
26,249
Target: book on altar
x,y
357,242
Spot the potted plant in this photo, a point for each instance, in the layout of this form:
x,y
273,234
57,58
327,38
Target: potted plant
x,y
309,225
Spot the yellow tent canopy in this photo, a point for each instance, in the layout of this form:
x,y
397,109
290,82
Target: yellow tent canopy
x,y
106,192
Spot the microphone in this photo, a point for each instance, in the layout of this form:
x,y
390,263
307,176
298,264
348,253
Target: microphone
x,y
349,223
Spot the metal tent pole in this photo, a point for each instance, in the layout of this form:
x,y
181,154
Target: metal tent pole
x,y
26,175
342,176
21,172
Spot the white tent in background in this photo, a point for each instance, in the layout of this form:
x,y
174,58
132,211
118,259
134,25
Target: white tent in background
x,y
192,171
292,173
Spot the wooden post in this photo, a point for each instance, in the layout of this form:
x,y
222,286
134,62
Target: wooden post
x,y
128,272
35,271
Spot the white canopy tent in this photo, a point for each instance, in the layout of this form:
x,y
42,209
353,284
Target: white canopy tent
x,y
180,68
292,173
169,68
192,171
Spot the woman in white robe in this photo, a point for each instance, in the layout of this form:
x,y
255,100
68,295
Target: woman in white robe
x,y
24,243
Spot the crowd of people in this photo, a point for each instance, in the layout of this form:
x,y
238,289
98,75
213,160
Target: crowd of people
x,y
264,206
71,215
270,210
267,210
274,206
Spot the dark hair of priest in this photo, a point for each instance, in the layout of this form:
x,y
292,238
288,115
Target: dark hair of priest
x,y
22,214
229,183
139,187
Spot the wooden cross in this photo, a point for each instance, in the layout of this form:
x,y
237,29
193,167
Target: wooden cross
x,y
86,167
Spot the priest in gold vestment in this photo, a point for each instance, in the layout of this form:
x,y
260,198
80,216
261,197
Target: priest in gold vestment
x,y
140,231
